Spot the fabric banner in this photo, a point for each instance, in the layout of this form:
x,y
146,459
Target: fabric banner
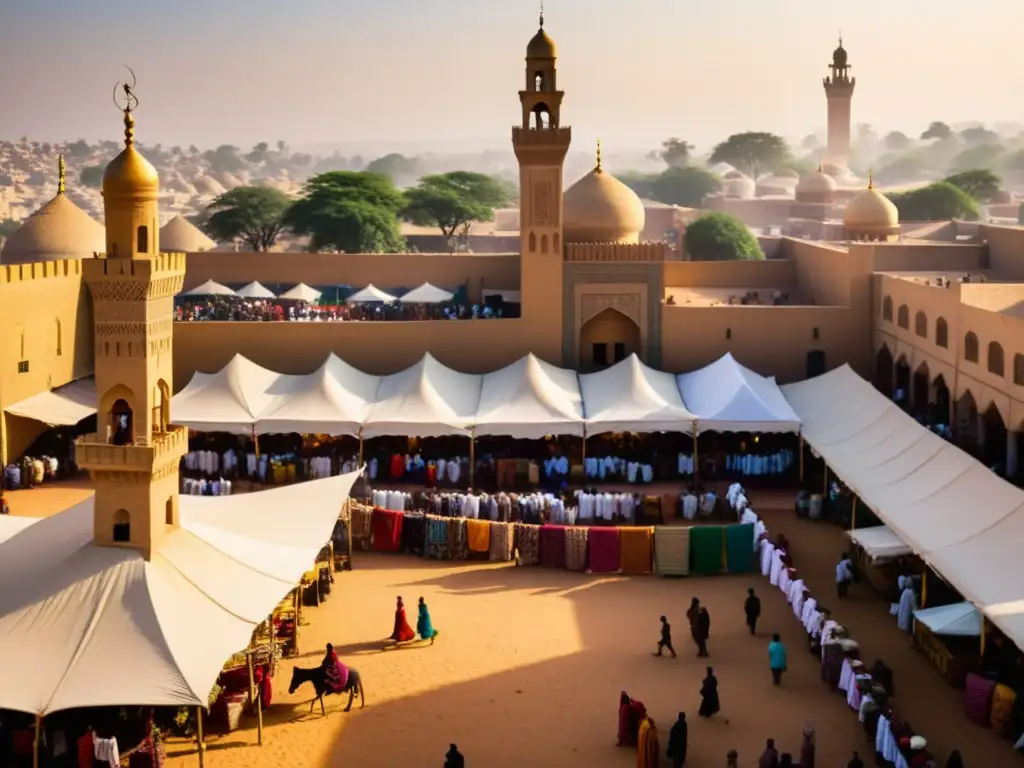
x,y
635,549
386,527
502,541
552,546
528,543
672,550
706,550
576,548
478,535
739,548
603,550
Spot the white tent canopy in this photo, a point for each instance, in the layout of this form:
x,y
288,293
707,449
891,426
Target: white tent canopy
x,y
530,399
727,397
426,400
427,294
209,288
371,294
301,292
86,626
60,407
11,525
959,619
631,397
230,400
955,513
880,543
333,400
254,290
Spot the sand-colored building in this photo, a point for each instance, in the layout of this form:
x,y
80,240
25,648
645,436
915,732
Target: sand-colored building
x,y
592,292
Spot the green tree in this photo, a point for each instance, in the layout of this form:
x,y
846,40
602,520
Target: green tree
x,y
895,141
254,215
91,176
937,130
979,135
936,202
752,152
981,183
902,169
349,212
684,186
675,152
641,183
8,227
721,237
453,201
980,156
395,166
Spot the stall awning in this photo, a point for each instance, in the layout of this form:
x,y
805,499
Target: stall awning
x,y
880,543
959,619
61,407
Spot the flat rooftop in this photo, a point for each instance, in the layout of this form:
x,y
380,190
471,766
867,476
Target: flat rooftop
x,y
735,297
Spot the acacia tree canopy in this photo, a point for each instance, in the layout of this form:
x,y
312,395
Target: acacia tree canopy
x,y
752,152
453,201
980,183
936,202
254,215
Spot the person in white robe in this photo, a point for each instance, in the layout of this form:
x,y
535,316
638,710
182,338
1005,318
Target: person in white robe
x,y
767,556
810,606
905,613
777,567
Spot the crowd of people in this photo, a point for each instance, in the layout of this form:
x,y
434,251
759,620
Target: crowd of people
x,y
225,309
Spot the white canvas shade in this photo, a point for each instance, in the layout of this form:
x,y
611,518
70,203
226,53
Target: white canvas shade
x,y
631,397
301,292
254,290
727,397
333,400
371,294
88,626
10,525
426,400
880,543
528,400
60,407
209,288
958,619
230,400
427,294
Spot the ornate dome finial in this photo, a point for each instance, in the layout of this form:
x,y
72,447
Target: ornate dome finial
x,y
61,188
598,166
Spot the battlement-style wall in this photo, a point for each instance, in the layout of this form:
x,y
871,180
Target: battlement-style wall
x,y
40,270
164,262
542,136
618,252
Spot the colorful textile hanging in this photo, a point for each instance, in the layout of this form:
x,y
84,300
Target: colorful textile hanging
x,y
603,550
552,546
672,550
386,527
706,550
739,548
635,550
576,547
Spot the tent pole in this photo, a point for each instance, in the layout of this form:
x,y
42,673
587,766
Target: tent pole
x,y
360,446
696,456
252,678
298,609
256,441
982,633
472,457
199,737
853,514
35,740
584,458
801,456
259,717
924,587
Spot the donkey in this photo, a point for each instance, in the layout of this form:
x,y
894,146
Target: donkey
x,y
318,677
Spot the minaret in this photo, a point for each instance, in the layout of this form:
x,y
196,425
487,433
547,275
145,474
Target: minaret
x,y
133,458
839,92
540,144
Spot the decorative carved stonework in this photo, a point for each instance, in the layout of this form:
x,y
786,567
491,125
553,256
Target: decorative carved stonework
x,y
542,204
120,329
120,313
129,290
628,304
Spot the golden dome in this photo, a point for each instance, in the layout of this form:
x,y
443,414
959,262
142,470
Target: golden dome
x,y
541,46
182,236
58,230
601,209
130,174
871,213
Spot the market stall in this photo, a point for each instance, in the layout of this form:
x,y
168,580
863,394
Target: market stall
x,y
949,636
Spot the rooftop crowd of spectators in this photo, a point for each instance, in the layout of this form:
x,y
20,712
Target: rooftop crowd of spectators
x,y
271,310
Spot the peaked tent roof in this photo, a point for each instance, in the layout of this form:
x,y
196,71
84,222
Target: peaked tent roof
x,y
530,399
301,292
425,400
369,295
209,288
632,397
727,397
922,487
83,625
333,400
255,290
427,294
230,400
60,407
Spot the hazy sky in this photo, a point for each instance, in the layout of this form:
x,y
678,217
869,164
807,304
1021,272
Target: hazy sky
x,y
634,71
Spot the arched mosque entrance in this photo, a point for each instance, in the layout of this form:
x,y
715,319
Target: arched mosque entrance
x,y
606,338
920,390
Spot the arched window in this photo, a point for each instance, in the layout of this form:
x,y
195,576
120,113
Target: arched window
x,y
543,243
887,308
60,341
142,239
120,423
122,533
941,333
541,117
995,358
971,347
1018,369
169,511
538,82
164,406
533,243
921,325
903,316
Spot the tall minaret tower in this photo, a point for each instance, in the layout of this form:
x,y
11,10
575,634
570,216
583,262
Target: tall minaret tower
x,y
540,144
839,92
134,456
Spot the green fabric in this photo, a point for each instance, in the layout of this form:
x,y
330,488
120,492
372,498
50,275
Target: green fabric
x,y
739,548
706,550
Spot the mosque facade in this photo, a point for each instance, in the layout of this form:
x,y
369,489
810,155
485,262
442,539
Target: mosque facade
x,y
833,289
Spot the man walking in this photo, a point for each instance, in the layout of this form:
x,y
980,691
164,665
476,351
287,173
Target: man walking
x,y
752,608
776,658
844,575
677,742
666,638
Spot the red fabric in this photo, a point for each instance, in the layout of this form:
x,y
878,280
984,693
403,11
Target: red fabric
x,y
23,741
431,475
266,687
552,546
977,698
86,751
603,550
402,631
397,467
386,529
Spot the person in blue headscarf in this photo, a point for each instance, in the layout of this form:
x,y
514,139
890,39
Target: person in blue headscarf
x,y
423,624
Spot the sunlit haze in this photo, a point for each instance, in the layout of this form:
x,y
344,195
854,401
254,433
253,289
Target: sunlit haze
x,y
411,74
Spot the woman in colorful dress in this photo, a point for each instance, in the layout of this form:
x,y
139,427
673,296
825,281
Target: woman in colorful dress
x,y
423,624
335,673
402,631
648,751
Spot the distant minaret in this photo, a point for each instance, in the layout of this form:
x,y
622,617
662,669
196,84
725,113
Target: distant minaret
x,y
839,92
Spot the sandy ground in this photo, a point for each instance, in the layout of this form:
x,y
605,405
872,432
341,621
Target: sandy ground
x,y
530,662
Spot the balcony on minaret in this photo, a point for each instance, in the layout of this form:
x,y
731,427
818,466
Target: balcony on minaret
x,y
541,136
116,451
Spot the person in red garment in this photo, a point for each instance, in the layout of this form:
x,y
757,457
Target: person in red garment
x,y
402,632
